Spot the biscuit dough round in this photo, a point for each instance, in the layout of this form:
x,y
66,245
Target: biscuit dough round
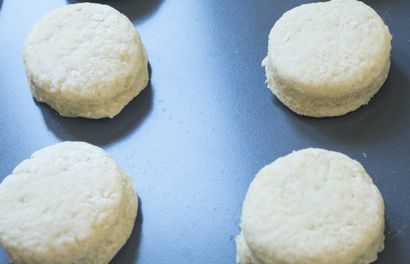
x,y
68,203
312,206
328,58
85,60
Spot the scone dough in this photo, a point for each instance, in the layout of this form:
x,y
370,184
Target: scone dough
x,y
328,58
311,207
85,60
69,203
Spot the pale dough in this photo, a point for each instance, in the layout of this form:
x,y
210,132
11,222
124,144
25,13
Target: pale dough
x,y
311,207
327,58
68,203
85,60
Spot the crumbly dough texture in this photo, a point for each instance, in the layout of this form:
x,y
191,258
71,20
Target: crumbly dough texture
x,y
311,207
68,203
85,60
327,58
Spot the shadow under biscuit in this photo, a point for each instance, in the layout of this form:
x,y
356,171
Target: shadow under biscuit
x,y
129,252
3,256
103,131
389,253
136,10
380,119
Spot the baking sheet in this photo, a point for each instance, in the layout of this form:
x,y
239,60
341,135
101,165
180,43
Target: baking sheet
x,y
195,138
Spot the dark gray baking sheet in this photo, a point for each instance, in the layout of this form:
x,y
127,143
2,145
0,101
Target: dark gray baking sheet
x,y
194,139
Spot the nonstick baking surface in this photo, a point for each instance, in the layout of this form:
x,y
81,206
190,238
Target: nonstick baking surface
x,y
196,136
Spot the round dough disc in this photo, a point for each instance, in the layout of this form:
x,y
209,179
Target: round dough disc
x,y
85,60
311,207
327,58
68,203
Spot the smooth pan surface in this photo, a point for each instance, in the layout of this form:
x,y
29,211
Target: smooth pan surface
x,y
196,137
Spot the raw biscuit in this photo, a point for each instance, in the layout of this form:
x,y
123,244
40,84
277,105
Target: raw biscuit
x,y
68,203
85,60
329,58
312,206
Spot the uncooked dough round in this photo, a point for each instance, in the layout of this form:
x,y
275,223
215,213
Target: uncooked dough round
x,y
85,60
68,203
328,58
312,206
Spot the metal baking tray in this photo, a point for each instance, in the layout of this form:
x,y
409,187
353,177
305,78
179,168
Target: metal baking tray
x,y
196,136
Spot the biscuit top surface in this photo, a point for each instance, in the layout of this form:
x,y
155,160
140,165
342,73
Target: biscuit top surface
x,y
61,199
312,206
329,48
84,50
